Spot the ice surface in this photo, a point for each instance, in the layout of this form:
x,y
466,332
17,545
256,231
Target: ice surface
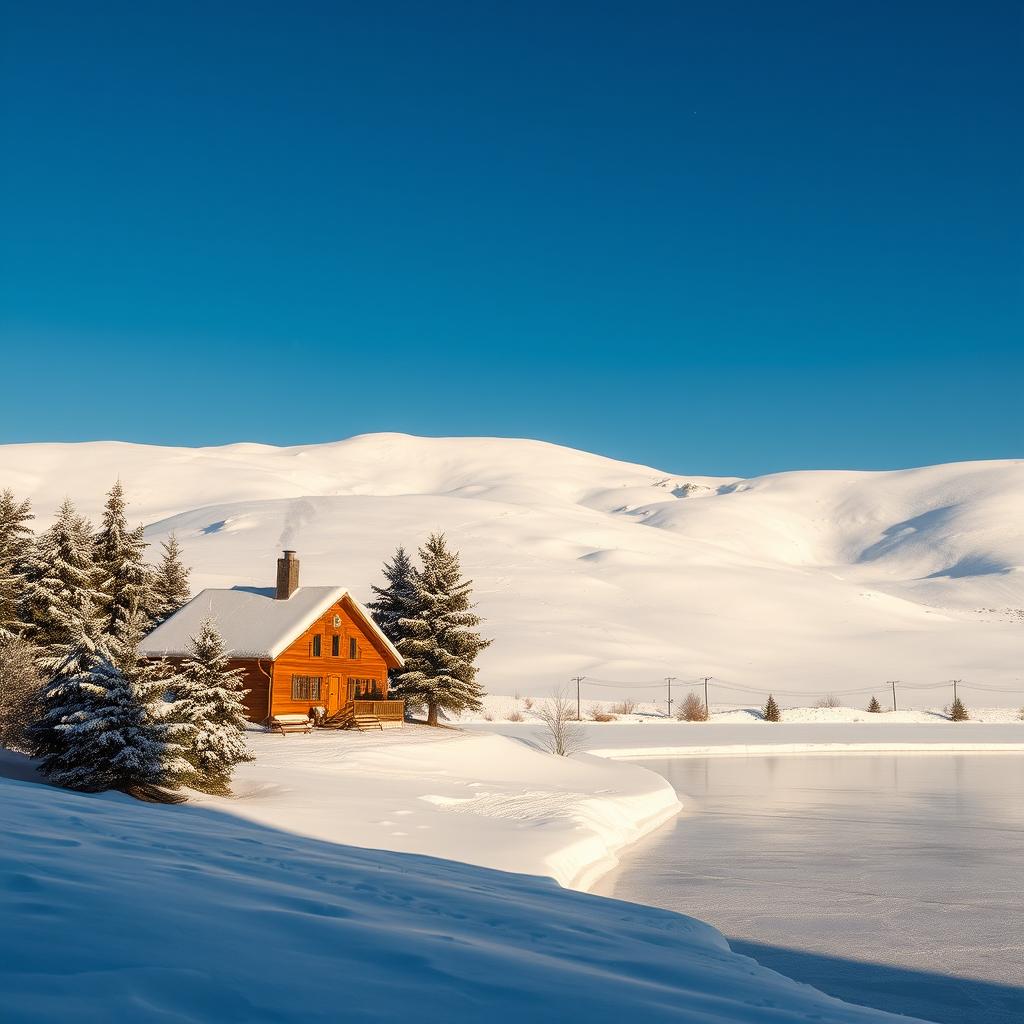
x,y
891,880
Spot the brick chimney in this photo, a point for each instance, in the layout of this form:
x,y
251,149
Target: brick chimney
x,y
287,576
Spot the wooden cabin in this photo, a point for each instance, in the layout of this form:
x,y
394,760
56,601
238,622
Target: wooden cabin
x,y
300,648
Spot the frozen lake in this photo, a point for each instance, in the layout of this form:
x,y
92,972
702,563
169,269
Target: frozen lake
x,y
891,880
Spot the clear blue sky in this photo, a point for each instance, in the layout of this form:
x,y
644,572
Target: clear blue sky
x,y
714,237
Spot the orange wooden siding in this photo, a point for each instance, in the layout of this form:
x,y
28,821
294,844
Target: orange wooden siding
x,y
334,671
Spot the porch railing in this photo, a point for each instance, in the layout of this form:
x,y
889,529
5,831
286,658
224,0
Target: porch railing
x,y
386,710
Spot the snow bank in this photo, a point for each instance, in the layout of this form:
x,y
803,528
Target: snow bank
x,y
116,910
483,799
667,738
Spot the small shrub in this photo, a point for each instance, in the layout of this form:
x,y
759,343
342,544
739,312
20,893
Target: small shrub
x,y
1020,714
488,717
528,703
770,712
830,700
514,716
597,713
874,707
958,713
624,707
691,709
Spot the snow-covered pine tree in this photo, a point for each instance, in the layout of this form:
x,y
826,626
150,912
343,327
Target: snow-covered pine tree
x,y
874,707
208,701
62,578
17,545
770,712
170,586
124,578
396,599
103,725
20,685
440,645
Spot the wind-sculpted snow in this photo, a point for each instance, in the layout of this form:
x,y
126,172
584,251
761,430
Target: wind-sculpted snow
x,y
114,910
805,581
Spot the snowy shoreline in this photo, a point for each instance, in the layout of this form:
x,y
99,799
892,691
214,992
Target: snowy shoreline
x,y
481,799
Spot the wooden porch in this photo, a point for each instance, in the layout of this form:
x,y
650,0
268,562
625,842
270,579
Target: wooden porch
x,y
367,714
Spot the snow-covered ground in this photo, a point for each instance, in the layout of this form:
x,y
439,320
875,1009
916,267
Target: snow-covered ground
x,y
647,732
483,799
806,582
241,910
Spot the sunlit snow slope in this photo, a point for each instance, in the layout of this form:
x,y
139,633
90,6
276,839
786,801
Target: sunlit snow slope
x,y
804,581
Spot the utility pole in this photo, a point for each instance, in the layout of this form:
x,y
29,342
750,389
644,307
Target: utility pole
x,y
707,706
894,682
955,681
668,679
579,712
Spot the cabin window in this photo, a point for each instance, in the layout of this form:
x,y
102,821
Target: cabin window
x,y
353,647
306,687
335,646
367,689
317,641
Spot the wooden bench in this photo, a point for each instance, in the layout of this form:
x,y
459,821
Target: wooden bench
x,y
290,723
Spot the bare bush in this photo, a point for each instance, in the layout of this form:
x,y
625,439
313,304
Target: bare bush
x,y
19,692
691,709
830,700
559,717
514,716
528,703
597,713
488,717
624,707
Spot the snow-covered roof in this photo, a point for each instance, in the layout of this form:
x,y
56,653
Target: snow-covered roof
x,y
252,622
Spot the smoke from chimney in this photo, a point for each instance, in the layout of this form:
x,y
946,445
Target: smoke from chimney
x,y
287,576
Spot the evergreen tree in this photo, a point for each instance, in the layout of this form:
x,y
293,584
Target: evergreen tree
x,y
396,599
62,578
770,711
170,586
103,726
958,713
208,701
124,578
17,545
440,644
874,707
20,685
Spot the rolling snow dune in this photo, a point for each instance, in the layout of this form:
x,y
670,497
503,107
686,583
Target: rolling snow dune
x,y
800,582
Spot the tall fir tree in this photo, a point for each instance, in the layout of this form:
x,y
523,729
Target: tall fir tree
x,y
63,577
440,645
17,545
396,599
124,578
103,724
770,712
209,702
170,585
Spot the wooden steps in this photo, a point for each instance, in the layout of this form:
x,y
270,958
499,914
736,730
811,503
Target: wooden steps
x,y
367,722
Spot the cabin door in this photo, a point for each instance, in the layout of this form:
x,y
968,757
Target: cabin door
x,y
334,694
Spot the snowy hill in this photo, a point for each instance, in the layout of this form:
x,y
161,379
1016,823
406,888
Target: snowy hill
x,y
803,582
